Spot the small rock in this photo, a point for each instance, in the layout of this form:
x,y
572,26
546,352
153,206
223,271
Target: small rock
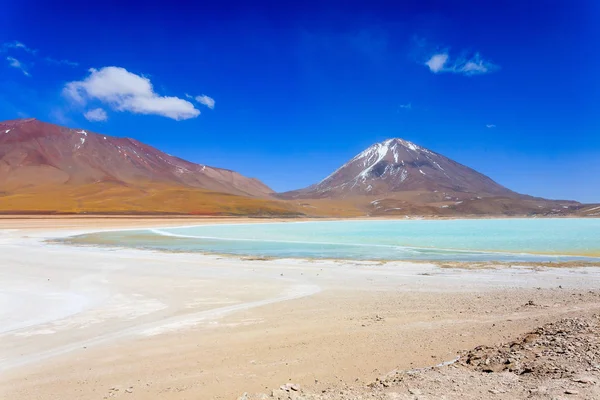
x,y
290,387
416,392
128,391
584,379
571,391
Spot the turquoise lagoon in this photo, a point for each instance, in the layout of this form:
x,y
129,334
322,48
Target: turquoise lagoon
x,y
446,240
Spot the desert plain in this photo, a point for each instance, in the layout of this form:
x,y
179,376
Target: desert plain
x,y
85,322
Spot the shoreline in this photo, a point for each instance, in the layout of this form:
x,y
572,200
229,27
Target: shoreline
x,y
190,321
281,218
590,258
585,262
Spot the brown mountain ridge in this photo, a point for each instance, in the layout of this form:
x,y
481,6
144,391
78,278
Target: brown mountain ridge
x,y
49,168
397,177
397,165
46,168
35,153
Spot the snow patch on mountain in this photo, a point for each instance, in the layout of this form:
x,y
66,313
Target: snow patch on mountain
x,y
400,165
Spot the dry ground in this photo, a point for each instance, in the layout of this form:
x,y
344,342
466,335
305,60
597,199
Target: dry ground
x,y
88,323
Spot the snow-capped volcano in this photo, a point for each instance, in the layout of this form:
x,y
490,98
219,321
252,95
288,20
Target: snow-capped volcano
x,y
396,165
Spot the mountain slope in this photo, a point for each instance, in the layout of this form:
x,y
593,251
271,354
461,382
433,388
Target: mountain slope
x,y
397,165
398,177
46,168
34,153
153,199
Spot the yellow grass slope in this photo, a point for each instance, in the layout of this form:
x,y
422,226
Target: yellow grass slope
x,y
157,199
112,198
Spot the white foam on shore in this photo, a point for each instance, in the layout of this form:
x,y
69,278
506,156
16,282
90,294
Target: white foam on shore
x,y
161,232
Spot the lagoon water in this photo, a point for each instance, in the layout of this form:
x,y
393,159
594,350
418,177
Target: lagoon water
x,y
449,240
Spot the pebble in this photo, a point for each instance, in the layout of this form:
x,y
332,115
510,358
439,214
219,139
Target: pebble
x,y
290,387
584,379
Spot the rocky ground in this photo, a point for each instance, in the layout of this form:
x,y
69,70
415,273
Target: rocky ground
x,y
560,360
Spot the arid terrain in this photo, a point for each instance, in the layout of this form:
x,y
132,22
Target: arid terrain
x,y
48,169
89,323
558,360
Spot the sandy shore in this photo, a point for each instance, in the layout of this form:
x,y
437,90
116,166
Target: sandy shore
x,y
80,322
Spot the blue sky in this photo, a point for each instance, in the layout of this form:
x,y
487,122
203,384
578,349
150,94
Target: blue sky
x,y
298,89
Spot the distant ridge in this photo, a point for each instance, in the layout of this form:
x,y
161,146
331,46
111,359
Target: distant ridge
x,y
399,177
47,169
396,165
35,153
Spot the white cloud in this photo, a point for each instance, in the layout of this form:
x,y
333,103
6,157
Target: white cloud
x,y
18,45
490,126
126,91
97,114
207,101
436,62
407,106
51,60
13,62
13,47
475,65
204,99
